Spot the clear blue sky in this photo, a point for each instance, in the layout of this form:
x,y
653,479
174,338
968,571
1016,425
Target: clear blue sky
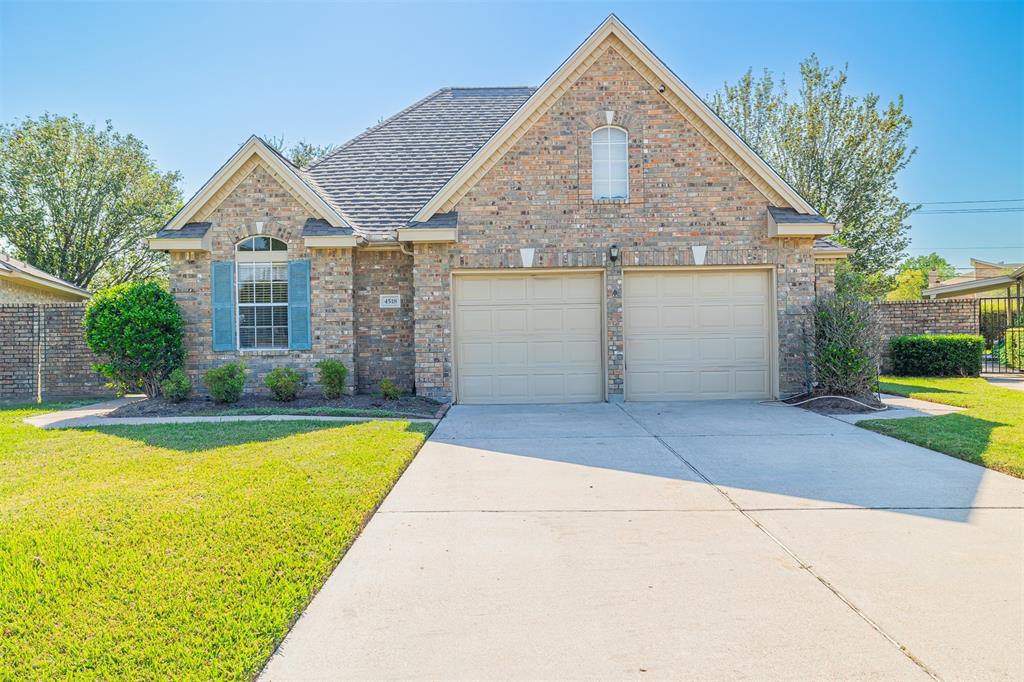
x,y
194,80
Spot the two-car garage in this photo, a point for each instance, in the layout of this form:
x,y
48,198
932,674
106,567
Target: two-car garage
x,y
540,337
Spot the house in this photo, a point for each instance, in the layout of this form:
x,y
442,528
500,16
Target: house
x,y
602,236
988,280
21,283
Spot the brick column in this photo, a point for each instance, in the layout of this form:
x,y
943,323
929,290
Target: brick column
x,y
333,308
432,329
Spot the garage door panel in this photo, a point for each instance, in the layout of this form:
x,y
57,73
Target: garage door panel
x,y
543,333
698,335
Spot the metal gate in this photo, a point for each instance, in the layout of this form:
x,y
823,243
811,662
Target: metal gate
x,y
1001,322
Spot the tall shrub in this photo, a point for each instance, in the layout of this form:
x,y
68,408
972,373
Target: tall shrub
x,y
137,331
846,345
937,355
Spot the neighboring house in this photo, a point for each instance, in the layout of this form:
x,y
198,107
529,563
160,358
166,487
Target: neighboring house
x,y
988,280
23,283
603,236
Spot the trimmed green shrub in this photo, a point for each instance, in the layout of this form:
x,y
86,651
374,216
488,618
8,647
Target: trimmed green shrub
x,y
137,330
390,390
1011,350
937,355
846,345
177,386
284,383
332,377
225,383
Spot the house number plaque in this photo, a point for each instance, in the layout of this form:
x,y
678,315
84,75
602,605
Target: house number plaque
x,y
390,301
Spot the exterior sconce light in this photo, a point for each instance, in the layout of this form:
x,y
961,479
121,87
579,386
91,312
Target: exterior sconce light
x,y
613,252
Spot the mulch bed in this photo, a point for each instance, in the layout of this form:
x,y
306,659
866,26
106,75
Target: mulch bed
x,y
830,405
197,407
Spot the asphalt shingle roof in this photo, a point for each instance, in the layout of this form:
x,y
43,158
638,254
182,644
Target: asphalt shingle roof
x,y
381,178
12,266
187,231
789,215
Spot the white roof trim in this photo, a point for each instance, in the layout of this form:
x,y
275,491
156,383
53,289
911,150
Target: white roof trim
x,y
341,241
28,279
170,244
612,26
976,285
285,171
427,234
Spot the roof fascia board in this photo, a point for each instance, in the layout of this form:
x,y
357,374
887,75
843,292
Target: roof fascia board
x,y
172,244
346,241
800,229
28,279
974,286
611,26
255,146
427,234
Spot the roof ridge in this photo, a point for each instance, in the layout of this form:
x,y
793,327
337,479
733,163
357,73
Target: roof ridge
x,y
375,128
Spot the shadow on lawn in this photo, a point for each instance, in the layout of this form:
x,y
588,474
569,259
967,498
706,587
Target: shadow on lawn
x,y
908,389
209,436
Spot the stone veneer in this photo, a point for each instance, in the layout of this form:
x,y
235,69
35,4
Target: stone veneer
x,y
683,192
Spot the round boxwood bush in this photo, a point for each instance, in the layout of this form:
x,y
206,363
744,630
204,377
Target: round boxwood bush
x,y
136,329
284,383
332,378
225,383
177,386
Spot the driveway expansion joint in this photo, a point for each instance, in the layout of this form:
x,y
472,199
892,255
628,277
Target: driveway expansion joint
x,y
792,554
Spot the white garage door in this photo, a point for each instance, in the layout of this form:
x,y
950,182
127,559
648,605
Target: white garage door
x,y
528,338
698,335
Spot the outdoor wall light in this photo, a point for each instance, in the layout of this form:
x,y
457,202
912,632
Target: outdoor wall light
x,y
613,252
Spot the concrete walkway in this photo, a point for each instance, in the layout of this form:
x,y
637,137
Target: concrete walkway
x,y
1014,382
901,407
722,540
96,415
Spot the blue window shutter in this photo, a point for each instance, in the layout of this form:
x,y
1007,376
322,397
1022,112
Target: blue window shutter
x,y
222,285
300,336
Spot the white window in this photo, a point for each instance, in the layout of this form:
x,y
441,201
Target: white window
x,y
262,264
610,178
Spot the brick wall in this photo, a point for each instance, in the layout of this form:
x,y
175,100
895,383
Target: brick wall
x,y
384,346
939,316
683,192
44,353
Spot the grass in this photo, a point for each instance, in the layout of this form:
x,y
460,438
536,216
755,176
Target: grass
x,y
176,551
990,432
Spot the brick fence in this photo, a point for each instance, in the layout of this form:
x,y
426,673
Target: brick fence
x,y
43,355
940,316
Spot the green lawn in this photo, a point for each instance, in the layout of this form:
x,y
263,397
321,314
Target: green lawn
x,y
989,432
176,551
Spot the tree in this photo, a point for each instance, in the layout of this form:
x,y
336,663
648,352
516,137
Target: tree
x,y
927,264
301,153
137,329
909,285
866,287
839,152
78,201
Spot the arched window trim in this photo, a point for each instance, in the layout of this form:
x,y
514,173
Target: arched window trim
x,y
261,293
610,183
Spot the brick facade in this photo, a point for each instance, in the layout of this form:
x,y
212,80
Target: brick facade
x,y
44,354
683,192
259,197
940,316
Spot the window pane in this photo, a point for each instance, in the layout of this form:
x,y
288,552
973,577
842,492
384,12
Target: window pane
x,y
619,171
245,272
264,337
246,291
280,272
280,315
600,172
264,316
616,135
246,316
601,135
281,337
278,245
260,244
618,189
600,152
280,292
262,292
247,337
245,246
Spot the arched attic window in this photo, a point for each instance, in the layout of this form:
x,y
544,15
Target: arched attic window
x,y
610,163
262,267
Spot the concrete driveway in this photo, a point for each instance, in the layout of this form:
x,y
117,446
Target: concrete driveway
x,y
715,540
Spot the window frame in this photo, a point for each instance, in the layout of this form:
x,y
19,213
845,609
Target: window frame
x,y
273,258
611,163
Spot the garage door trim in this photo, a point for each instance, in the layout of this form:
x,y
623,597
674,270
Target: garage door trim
x,y
519,272
773,353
